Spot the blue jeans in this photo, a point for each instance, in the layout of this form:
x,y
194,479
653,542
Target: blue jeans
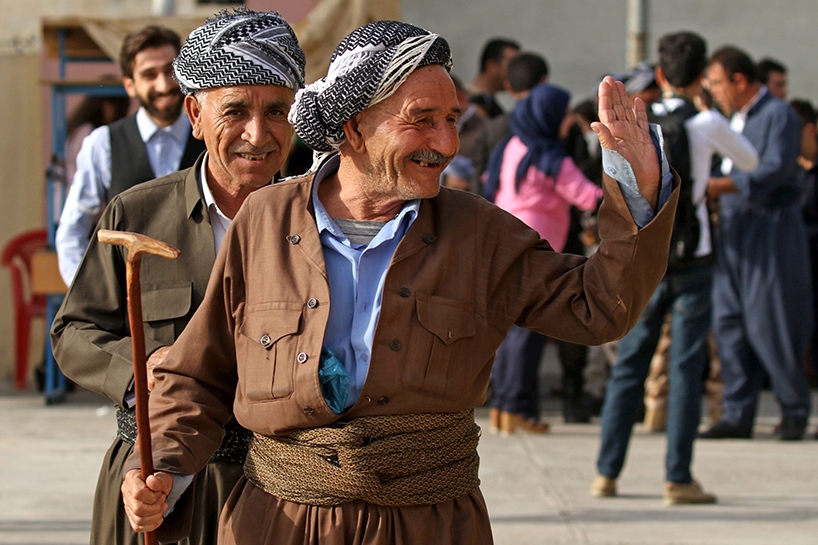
x,y
686,294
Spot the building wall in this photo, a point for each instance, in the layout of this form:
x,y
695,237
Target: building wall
x,y
583,40
21,179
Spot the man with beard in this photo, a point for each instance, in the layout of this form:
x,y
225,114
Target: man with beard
x,y
239,72
153,142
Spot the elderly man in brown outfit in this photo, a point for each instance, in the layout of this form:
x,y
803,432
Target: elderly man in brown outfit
x,y
353,314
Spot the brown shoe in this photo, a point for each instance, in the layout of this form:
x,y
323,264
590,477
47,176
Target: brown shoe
x,y
510,422
655,419
494,420
603,487
686,493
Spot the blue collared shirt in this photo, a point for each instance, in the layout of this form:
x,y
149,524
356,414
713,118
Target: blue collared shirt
x,y
356,278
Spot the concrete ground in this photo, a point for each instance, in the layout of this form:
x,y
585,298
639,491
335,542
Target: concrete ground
x,y
536,487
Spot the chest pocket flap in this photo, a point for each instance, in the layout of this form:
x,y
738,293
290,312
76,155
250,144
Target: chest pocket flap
x,y
268,326
448,319
166,303
266,352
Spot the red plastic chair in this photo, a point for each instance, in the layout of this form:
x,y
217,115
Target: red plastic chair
x,y
17,257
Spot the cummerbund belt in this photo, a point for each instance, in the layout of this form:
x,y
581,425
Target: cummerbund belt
x,y
391,460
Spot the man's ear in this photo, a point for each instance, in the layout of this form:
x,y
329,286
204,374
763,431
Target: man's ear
x,y
740,81
194,113
659,74
352,131
129,86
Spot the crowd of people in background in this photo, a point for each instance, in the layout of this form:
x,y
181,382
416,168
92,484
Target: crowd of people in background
x,y
736,309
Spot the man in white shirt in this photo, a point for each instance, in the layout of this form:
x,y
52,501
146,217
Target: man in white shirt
x,y
685,288
153,142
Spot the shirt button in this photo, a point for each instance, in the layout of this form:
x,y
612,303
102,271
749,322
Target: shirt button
x,y
295,239
265,340
395,345
302,357
308,411
428,239
312,303
404,292
383,400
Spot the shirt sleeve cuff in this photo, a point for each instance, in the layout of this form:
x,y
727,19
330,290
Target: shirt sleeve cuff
x,y
180,484
618,168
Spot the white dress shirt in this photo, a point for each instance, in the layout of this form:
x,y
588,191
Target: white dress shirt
x,y
89,188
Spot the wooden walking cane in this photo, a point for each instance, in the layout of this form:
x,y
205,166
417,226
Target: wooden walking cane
x,y
137,245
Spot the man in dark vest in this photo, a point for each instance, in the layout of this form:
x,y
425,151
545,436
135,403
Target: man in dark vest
x,y
153,142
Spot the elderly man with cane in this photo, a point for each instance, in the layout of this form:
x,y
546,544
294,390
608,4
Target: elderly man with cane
x,y
240,71
353,314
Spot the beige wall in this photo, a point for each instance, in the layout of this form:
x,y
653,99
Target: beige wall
x,y
21,180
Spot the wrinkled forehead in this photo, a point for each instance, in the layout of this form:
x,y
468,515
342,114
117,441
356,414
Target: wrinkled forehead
x,y
428,89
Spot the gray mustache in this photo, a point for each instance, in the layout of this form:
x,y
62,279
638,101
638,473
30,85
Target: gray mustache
x,y
428,156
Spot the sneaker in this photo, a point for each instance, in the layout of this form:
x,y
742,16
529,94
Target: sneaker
x,y
686,493
726,430
603,487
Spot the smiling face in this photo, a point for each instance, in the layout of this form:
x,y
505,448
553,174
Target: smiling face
x,y
246,132
152,84
409,138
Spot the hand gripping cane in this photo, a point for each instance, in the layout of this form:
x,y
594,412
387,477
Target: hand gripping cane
x,y
137,245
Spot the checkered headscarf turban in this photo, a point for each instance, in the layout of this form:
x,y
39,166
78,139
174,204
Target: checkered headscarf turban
x,y
366,67
240,47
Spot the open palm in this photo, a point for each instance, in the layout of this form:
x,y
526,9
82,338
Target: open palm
x,y
623,127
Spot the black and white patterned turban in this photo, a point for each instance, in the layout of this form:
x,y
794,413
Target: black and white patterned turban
x,y
240,47
366,67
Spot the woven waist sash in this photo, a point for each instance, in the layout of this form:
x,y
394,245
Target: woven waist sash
x,y
392,460
234,445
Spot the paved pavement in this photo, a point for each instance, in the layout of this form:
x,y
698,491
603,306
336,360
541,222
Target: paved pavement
x,y
536,487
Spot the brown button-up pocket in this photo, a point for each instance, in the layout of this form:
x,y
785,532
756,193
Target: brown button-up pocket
x,y
437,350
266,351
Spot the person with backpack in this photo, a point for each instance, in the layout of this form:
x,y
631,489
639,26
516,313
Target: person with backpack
x,y
691,138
